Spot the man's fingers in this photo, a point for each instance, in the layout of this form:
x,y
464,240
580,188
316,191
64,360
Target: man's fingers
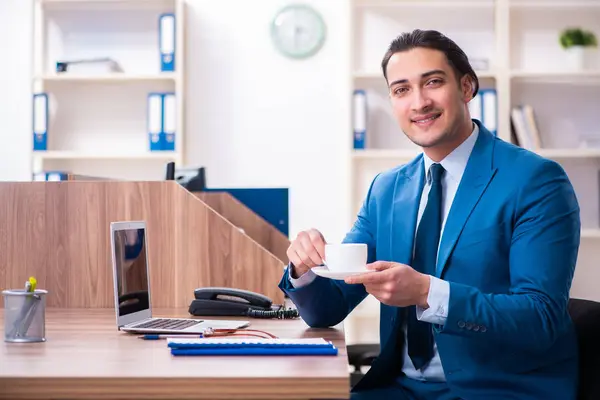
x,y
367,278
379,265
376,292
318,242
309,250
295,258
305,258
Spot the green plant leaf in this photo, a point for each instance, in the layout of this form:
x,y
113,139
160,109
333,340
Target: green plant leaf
x,y
570,37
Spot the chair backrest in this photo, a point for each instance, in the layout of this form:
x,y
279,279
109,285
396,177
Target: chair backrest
x,y
586,318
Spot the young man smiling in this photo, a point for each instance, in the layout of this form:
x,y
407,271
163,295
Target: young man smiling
x,y
472,247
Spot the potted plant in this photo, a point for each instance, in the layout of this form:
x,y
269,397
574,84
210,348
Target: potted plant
x,y
579,44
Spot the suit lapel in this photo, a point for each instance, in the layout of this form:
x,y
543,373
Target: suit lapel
x,y
407,195
478,174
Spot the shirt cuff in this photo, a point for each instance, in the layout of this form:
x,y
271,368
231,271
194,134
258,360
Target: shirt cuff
x,y
302,280
438,300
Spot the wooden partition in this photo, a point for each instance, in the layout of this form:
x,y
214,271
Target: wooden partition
x,y
60,233
253,225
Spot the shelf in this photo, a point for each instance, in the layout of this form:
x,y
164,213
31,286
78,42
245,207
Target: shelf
x,y
556,76
385,154
379,75
569,153
368,75
590,233
424,4
128,3
559,5
116,77
78,155
106,1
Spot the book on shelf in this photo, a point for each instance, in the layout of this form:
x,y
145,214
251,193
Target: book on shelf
x,y
50,176
359,118
167,35
524,127
161,121
88,66
40,121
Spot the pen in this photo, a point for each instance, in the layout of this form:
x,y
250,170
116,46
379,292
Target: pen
x,y
157,337
22,323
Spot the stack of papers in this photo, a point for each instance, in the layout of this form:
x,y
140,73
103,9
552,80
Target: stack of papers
x,y
248,346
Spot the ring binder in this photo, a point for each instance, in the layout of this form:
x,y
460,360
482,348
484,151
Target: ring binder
x,y
40,122
169,122
166,33
155,121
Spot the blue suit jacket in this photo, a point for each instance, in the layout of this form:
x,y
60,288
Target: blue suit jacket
x,y
508,249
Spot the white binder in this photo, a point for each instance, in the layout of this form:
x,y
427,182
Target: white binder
x,y
490,110
154,116
360,118
476,108
166,33
40,122
169,122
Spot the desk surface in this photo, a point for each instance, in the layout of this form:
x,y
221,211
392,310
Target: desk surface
x,y
85,357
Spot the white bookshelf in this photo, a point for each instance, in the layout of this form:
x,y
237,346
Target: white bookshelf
x,y
112,77
97,120
526,65
90,155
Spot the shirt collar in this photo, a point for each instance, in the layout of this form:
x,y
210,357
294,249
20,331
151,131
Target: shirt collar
x,y
455,162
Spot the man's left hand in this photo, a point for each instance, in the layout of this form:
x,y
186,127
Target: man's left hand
x,y
394,284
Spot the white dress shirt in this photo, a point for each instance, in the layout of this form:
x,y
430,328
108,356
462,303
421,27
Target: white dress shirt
x,y
439,291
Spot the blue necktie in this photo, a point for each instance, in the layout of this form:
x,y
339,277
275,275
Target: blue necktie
x,y
419,333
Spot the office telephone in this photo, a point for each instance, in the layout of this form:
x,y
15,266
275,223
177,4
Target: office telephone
x,y
221,301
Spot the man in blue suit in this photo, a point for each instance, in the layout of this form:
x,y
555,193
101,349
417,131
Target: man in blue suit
x,y
472,248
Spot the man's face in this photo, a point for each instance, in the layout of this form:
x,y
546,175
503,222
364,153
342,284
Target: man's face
x,y
428,102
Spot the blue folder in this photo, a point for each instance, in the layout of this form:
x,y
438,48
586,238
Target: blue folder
x,y
256,351
203,347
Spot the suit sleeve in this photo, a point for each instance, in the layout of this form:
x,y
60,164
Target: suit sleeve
x,y
542,259
327,302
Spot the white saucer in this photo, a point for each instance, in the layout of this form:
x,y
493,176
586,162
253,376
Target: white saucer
x,y
339,275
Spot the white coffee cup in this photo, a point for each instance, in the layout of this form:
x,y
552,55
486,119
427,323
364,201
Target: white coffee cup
x,y
346,257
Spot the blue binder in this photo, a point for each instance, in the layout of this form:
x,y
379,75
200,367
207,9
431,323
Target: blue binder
x,y
155,121
360,119
40,122
476,107
166,39
169,118
489,105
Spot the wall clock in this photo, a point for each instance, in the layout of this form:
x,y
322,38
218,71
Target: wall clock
x,y
298,31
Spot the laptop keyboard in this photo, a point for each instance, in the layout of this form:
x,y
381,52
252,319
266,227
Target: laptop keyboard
x,y
168,323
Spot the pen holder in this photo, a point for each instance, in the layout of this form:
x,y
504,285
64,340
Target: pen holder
x,y
24,315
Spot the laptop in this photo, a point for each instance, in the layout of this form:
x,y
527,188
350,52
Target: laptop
x,y
131,277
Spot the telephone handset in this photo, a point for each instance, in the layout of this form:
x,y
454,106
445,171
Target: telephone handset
x,y
221,301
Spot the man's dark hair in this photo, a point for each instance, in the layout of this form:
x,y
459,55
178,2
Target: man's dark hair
x,y
431,39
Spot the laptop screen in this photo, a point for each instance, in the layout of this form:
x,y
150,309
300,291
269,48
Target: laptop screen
x,y
131,270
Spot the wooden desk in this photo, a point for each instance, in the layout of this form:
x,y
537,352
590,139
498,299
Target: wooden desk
x,y
85,357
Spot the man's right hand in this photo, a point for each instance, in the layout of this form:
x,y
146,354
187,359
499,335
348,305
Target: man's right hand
x,y
306,251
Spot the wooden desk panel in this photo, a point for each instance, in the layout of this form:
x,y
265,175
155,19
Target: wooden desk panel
x,y
253,224
85,357
59,232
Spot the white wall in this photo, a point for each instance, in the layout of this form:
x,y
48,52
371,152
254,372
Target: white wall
x,y
258,118
15,84
254,118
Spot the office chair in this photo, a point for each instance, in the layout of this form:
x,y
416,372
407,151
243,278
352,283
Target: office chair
x,y
586,318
